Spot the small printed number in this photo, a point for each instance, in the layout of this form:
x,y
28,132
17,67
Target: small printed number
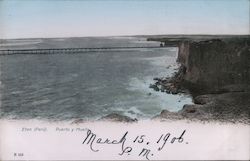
x,y
18,154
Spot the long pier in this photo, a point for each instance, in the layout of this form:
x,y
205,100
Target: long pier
x,y
66,50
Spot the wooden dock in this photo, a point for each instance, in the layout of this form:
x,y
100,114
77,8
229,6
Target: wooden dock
x,y
66,50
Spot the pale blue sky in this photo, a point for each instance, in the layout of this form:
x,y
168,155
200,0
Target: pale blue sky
x,y
69,18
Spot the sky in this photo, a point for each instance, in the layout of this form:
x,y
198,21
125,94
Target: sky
x,y
79,18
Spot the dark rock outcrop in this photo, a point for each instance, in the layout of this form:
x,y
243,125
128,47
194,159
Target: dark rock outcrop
x,y
117,118
171,85
165,114
78,121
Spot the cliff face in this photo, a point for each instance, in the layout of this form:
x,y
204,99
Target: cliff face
x,y
214,65
183,52
217,73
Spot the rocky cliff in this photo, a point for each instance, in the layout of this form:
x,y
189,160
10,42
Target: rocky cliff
x,y
217,73
215,66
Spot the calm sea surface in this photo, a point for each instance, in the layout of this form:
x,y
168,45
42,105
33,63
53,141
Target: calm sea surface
x,y
88,85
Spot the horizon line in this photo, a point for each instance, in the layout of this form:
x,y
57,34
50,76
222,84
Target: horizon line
x,y
126,36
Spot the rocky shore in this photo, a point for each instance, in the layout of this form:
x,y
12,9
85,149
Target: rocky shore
x,y
170,85
217,73
215,70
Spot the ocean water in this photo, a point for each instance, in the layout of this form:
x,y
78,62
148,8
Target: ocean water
x,y
88,85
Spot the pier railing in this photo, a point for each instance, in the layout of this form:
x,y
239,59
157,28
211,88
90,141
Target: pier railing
x,y
65,50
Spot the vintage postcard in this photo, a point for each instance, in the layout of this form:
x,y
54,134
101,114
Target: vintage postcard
x,y
124,80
